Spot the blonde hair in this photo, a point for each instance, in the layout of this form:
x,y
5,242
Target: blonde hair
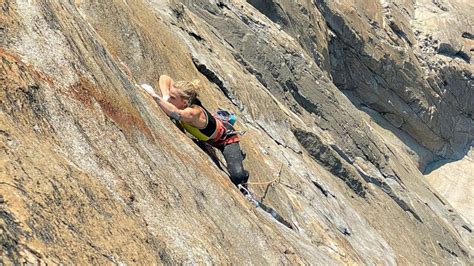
x,y
188,90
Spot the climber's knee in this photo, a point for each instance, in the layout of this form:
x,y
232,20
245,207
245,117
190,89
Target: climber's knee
x,y
238,176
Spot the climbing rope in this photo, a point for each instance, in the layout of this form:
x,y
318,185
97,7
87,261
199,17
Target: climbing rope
x,y
262,183
268,182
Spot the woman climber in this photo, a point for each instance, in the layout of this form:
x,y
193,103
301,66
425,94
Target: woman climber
x,y
180,102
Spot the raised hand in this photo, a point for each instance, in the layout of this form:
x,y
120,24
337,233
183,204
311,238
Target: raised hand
x,y
149,89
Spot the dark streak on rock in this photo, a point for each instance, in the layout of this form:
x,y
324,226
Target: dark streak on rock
x,y
442,201
447,49
468,35
452,253
329,159
272,10
467,228
211,76
440,5
389,191
275,215
196,36
302,100
396,29
165,257
464,56
249,68
344,230
42,229
10,236
342,153
5,134
322,189
222,5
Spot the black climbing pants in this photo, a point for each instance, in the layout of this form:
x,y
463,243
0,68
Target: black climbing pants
x,y
234,159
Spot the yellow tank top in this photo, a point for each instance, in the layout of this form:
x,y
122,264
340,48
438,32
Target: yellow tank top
x,y
205,133
195,132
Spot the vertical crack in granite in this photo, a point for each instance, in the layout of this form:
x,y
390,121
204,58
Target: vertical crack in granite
x,y
211,76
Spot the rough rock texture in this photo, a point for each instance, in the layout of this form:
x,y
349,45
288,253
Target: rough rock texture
x,y
93,172
455,181
419,77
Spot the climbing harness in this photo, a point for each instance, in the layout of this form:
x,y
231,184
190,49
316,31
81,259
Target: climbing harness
x,y
228,119
228,135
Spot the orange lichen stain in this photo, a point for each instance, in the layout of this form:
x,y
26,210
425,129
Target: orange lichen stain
x,y
82,91
9,56
115,106
43,77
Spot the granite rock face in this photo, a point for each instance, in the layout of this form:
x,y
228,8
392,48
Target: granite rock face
x,y
411,63
344,103
454,181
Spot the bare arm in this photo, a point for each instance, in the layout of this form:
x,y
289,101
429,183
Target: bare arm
x,y
191,115
165,83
